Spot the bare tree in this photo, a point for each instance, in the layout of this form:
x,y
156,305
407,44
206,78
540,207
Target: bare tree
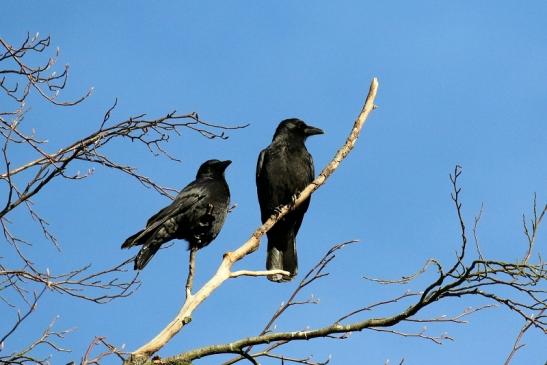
x,y
517,285
23,280
470,275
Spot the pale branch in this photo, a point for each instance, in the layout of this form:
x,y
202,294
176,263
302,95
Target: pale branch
x,y
239,273
480,278
224,270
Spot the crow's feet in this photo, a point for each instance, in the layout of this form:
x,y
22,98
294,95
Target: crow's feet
x,y
294,198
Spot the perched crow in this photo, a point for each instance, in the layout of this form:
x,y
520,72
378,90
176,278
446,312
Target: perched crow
x,y
284,169
196,215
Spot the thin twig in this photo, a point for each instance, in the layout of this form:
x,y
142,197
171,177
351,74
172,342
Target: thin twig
x,y
223,272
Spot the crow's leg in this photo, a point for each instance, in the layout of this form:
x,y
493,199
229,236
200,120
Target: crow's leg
x,y
191,269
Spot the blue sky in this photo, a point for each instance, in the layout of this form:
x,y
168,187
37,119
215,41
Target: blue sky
x,y
460,83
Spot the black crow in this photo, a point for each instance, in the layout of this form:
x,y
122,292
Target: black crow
x,y
284,169
196,215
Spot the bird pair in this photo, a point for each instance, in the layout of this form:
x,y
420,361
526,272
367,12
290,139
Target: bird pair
x,y
198,212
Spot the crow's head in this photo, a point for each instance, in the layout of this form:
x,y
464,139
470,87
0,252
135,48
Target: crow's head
x,y
213,168
296,128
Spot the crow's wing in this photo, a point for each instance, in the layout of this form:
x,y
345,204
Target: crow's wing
x,y
259,164
263,188
186,200
310,170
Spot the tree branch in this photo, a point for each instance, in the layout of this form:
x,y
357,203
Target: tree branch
x,y
23,72
479,278
224,270
239,273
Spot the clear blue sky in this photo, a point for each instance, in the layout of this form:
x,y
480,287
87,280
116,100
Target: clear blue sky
x,y
460,83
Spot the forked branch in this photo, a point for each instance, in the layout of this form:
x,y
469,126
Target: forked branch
x,y
224,271
25,71
513,285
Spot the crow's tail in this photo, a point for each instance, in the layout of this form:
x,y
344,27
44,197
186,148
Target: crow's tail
x,y
145,254
282,256
130,241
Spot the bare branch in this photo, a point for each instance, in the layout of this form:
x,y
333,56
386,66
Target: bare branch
x,y
97,359
79,282
518,345
152,133
21,318
407,278
421,334
316,273
223,272
26,355
293,360
238,273
534,224
481,277
21,77
34,75
475,232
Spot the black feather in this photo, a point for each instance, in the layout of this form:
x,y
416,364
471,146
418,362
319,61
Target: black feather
x,y
195,215
284,169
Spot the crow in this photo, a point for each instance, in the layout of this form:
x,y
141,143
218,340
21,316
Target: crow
x,y
283,170
195,215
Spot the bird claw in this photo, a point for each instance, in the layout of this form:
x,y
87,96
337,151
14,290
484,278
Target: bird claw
x,y
294,198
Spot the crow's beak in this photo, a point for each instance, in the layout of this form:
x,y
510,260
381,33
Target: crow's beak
x,y
310,131
225,164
